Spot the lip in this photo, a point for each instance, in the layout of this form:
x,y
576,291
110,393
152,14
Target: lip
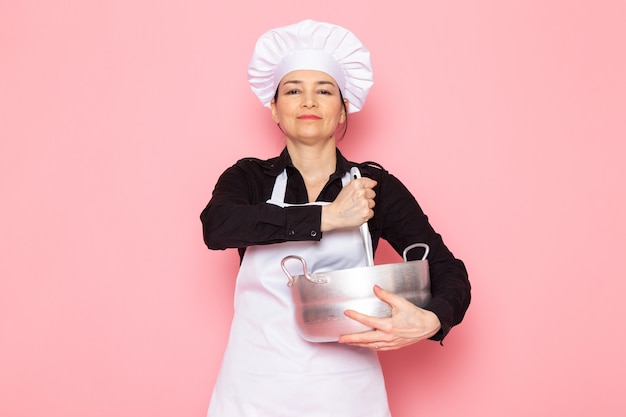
x,y
308,117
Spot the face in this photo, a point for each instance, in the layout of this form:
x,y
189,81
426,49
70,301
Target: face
x,y
308,106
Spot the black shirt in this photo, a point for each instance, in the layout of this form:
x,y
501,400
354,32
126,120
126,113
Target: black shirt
x,y
238,216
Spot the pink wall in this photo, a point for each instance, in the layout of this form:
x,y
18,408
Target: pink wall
x,y
506,119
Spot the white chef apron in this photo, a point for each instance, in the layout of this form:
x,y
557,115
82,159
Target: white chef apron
x,y
268,370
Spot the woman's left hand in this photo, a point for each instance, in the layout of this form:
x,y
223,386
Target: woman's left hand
x,y
408,324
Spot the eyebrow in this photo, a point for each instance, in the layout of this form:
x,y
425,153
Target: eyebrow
x,y
322,82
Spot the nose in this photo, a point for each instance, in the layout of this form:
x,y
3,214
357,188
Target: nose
x,y
309,99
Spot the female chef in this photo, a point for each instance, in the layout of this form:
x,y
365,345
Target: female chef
x,y
311,75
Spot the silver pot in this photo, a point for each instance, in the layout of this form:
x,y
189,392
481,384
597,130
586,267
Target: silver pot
x,y
321,298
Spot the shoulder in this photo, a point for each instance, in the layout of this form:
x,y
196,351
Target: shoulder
x,y
388,183
369,169
257,162
373,168
375,171
255,166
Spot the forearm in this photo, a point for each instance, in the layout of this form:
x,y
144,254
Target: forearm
x,y
451,295
239,225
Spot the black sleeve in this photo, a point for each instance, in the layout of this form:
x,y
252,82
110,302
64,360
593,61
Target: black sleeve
x,y
403,223
238,216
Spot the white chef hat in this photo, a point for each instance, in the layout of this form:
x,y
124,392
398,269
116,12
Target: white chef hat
x,y
311,45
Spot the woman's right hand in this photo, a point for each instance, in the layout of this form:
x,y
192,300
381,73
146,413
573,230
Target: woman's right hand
x,y
352,207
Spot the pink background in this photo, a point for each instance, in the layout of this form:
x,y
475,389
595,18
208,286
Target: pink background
x,y
507,120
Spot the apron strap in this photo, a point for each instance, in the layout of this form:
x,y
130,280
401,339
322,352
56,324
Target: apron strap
x,y
278,192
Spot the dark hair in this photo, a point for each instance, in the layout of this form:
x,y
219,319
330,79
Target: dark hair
x,y
345,109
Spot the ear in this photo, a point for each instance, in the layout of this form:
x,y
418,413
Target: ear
x,y
274,112
342,116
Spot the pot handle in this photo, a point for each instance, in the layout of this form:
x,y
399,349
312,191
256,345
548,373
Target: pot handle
x,y
413,246
306,275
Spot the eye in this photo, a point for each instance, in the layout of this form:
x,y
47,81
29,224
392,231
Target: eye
x,y
325,92
292,91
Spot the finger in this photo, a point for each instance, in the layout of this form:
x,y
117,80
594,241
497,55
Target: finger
x,y
388,297
365,182
362,339
373,341
364,192
369,193
369,321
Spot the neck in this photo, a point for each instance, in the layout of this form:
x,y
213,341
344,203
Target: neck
x,y
315,163
313,160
